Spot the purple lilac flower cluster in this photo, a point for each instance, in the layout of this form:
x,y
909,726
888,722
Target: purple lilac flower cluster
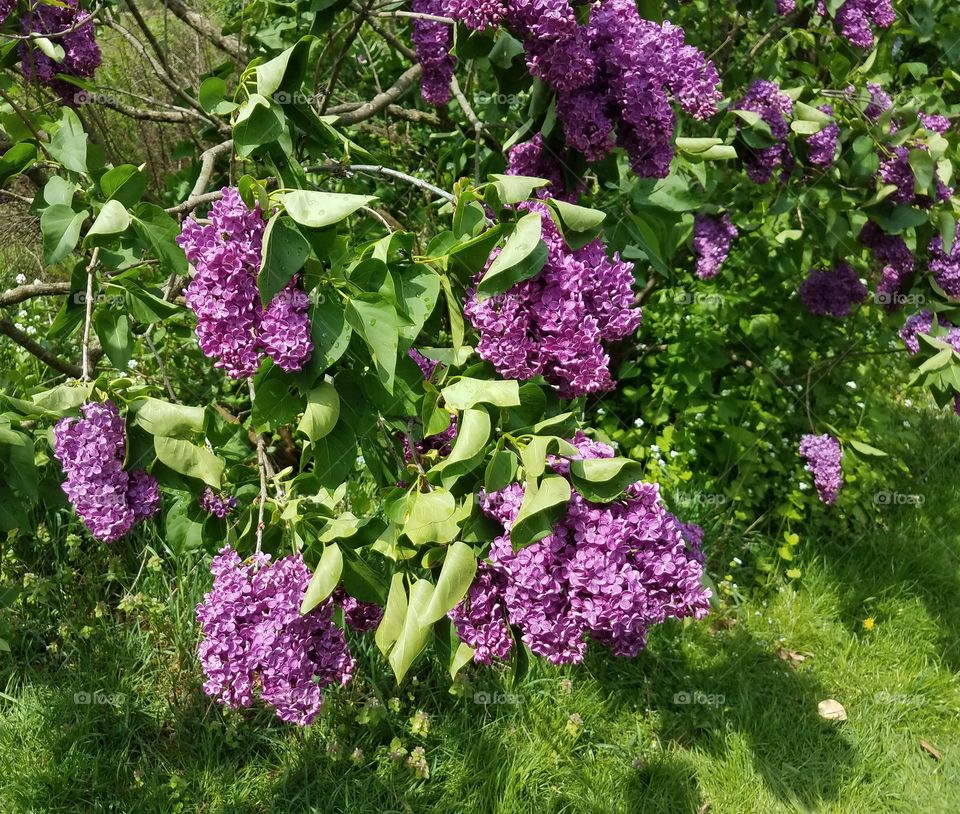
x,y
217,505
895,169
433,41
896,258
615,76
359,616
6,6
823,144
531,158
255,637
554,324
922,323
608,572
712,237
232,326
823,455
832,293
880,101
785,7
81,57
946,266
855,17
775,108
91,450
935,123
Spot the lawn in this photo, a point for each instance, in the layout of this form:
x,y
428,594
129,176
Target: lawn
x,y
102,706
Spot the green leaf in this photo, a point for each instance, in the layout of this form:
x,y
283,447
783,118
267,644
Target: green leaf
x,y
324,579
125,184
63,398
60,226
431,518
414,634
604,479
466,392
468,448
145,306
377,322
524,254
543,505
183,525
512,189
335,455
575,218
15,160
322,413
538,447
113,328
283,71
69,143
866,449
163,418
456,577
189,459
394,613
112,220
284,253
317,209
256,125
212,97
158,231
948,230
501,470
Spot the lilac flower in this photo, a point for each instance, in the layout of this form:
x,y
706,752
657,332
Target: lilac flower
x,y
223,293
91,450
823,144
255,638
532,158
854,19
832,293
553,324
82,55
935,124
476,14
946,267
915,325
217,505
6,6
712,237
896,170
785,7
359,616
285,328
897,259
143,495
607,572
879,102
433,42
774,107
427,366
823,456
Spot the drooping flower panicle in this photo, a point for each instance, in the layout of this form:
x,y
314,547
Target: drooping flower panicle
x,y
824,455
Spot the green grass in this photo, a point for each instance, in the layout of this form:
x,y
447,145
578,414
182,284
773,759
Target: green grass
x,y
759,747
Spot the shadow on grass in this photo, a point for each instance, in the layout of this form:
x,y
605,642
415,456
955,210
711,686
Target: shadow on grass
x,y
743,690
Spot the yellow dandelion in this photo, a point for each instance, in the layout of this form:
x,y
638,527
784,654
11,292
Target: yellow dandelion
x,y
868,623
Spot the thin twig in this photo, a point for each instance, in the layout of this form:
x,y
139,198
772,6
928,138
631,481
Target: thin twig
x,y
88,317
262,466
374,169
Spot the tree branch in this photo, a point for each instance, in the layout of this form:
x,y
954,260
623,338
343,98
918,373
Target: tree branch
x,y
203,26
50,359
381,100
26,292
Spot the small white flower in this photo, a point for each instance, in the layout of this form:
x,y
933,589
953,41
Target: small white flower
x,y
852,385
638,423
21,279
738,561
31,330
804,486
907,424
132,364
601,411
22,313
673,453
655,449
861,405
907,403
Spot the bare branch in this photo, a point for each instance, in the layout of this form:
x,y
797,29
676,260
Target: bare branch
x,y
203,26
373,169
26,292
88,317
50,359
382,100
